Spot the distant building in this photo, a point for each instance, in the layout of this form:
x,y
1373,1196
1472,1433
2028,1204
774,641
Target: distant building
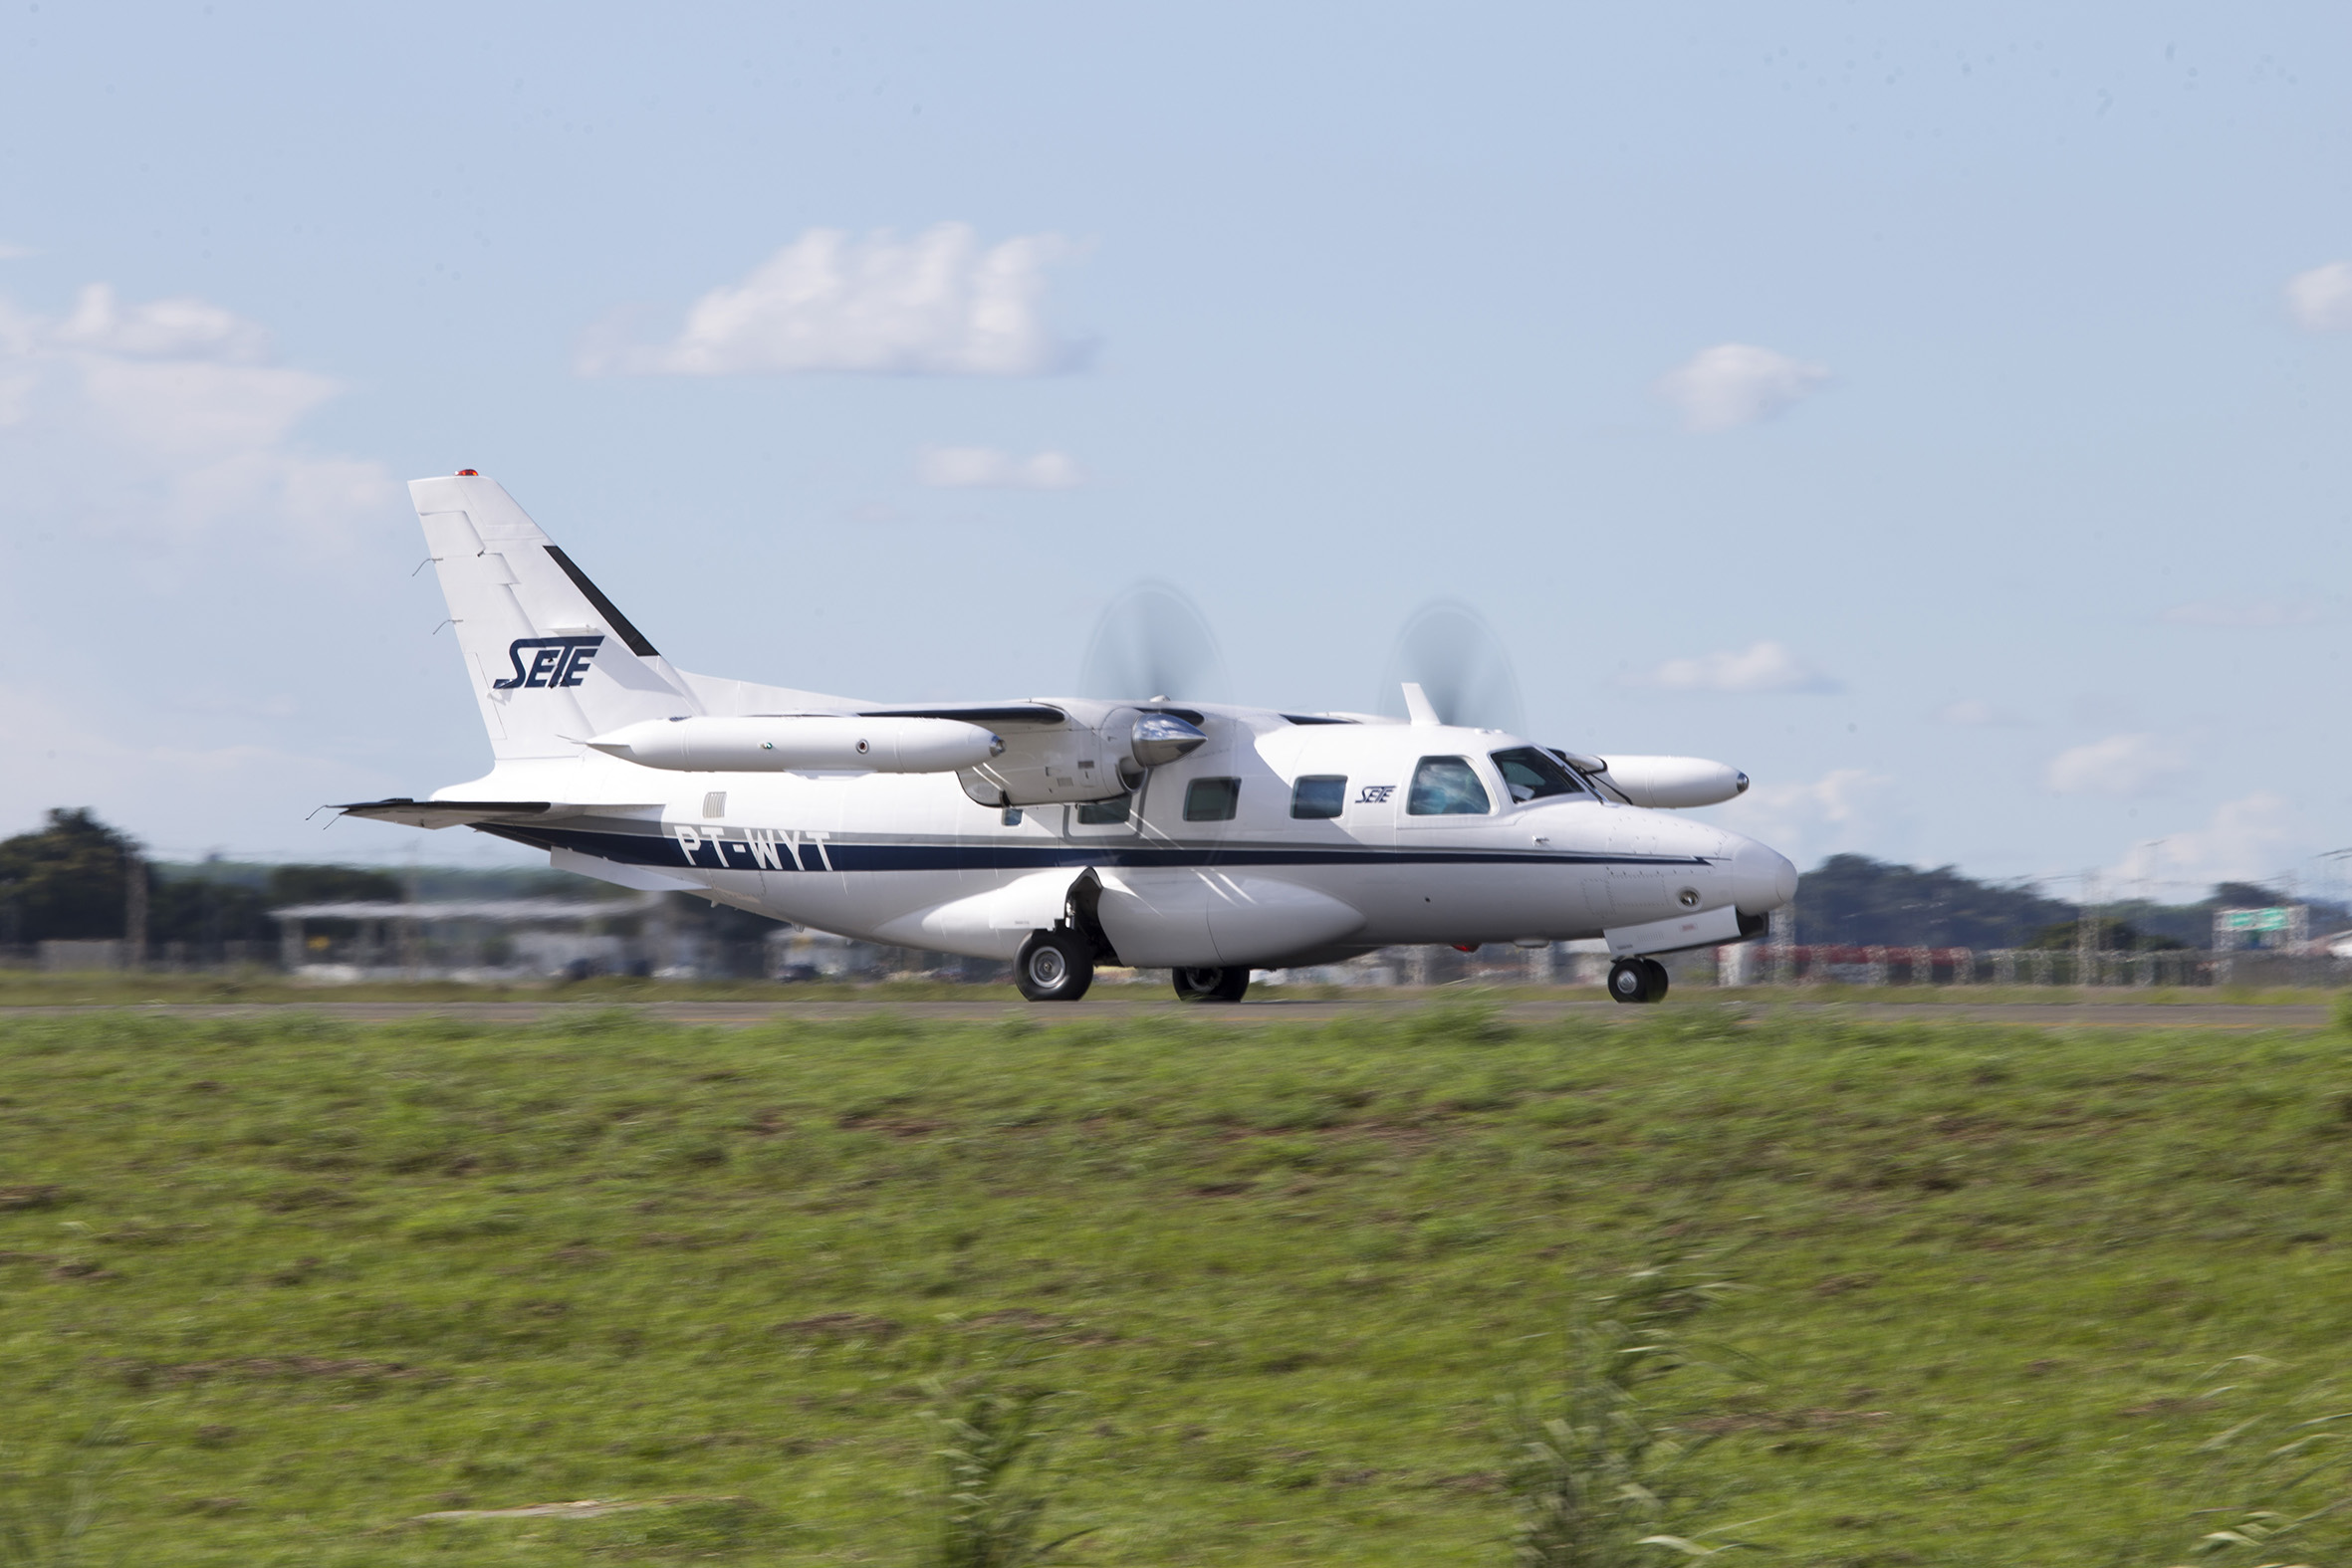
x,y
470,938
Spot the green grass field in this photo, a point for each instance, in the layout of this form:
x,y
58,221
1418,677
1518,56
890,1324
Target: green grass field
x,y
327,1279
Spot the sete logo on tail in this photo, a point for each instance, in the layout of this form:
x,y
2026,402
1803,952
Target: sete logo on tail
x,y
555,662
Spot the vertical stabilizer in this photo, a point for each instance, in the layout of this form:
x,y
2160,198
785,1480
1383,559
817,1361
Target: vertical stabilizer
x,y
552,661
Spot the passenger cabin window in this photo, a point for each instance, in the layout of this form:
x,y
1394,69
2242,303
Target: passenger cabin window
x,y
1101,814
1531,775
1446,787
1212,799
1319,796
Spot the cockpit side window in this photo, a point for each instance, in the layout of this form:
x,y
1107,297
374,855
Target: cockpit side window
x,y
1531,775
1446,787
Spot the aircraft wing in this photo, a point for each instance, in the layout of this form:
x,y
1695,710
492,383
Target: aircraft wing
x,y
986,715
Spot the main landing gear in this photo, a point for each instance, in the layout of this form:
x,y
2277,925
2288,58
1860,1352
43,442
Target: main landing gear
x,y
1637,980
1212,985
1055,965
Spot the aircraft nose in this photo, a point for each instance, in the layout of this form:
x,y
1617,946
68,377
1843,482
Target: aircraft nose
x,y
1761,879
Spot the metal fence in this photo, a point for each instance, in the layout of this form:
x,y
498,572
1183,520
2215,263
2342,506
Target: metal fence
x,y
1897,965
789,955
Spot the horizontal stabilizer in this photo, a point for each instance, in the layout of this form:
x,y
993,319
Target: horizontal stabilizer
x,y
444,813
464,814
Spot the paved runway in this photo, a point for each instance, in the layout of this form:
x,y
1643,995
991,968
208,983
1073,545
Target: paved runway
x,y
987,1009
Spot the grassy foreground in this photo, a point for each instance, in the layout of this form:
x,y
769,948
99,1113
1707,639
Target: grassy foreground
x,y
328,1278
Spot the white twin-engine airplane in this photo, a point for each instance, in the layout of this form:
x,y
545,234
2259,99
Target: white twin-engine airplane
x,y
1060,833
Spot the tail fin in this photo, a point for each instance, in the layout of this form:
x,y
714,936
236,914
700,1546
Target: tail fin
x,y
551,660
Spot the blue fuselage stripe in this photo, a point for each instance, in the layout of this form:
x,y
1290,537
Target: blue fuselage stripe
x,y
711,854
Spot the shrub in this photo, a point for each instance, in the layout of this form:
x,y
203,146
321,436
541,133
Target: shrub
x,y
46,1512
1594,1470
993,1443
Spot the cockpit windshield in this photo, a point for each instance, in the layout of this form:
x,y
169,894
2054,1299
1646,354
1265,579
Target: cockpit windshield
x,y
1533,776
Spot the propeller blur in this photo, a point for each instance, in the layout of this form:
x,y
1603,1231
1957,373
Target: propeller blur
x,y
1140,823
1152,639
1448,650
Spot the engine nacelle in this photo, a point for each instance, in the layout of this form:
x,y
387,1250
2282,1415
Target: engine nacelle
x,y
802,743
1077,765
1672,780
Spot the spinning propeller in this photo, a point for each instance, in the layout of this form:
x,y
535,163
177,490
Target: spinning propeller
x,y
1153,642
1459,665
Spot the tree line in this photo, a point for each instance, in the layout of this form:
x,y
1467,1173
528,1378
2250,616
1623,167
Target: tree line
x,y
72,880
1853,900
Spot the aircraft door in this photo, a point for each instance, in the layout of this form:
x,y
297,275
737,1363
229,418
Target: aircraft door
x,y
1442,797
1443,803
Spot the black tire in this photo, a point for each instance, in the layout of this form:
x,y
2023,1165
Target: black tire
x,y
1212,985
1055,965
1658,978
1631,982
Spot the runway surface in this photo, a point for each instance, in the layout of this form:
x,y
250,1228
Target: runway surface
x,y
2039,1014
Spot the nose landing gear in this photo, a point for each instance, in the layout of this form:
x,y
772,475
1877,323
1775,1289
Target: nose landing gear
x,y
1637,980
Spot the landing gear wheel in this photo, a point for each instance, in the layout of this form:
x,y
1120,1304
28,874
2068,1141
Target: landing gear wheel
x,y
1637,980
1055,965
1212,985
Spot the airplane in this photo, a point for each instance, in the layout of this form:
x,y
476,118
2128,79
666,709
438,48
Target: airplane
x,y
1060,833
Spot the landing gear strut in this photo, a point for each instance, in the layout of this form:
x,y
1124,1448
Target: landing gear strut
x,y
1055,965
1212,985
1637,980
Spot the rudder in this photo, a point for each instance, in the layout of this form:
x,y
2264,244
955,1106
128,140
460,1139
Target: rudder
x,y
550,659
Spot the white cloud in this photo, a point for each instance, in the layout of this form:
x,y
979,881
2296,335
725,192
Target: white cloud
x,y
167,419
2121,766
1843,810
1734,385
986,468
183,328
2249,841
10,252
1977,713
1763,667
936,305
2321,300
2238,613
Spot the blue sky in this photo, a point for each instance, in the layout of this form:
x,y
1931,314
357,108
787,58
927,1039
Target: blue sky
x,y
1939,417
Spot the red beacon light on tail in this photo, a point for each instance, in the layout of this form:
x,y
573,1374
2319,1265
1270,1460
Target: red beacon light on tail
x,y
469,473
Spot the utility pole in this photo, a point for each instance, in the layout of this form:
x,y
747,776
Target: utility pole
x,y
411,932
2086,934
135,910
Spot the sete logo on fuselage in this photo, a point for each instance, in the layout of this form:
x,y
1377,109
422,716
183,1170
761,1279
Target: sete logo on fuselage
x,y
555,662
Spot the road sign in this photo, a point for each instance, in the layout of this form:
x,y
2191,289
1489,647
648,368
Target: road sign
x,y
2254,920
